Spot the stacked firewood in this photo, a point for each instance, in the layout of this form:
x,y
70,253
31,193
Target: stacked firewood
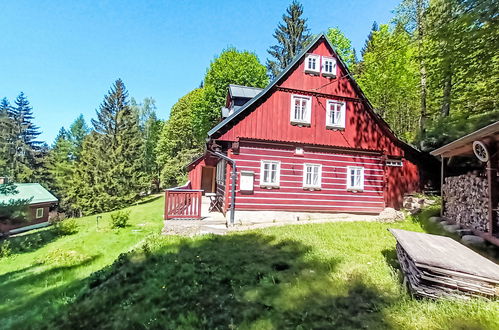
x,y
466,198
437,266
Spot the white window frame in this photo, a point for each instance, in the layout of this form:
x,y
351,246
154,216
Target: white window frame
x,y
317,68
360,186
262,174
342,115
308,110
325,61
39,213
319,176
394,162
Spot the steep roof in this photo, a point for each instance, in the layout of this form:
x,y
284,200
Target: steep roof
x,y
33,191
246,92
297,58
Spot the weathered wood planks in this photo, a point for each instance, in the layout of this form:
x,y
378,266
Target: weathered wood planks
x,y
436,266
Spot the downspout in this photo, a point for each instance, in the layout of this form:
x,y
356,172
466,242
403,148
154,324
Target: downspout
x,y
234,178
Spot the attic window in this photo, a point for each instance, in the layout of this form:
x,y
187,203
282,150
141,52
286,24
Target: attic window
x,y
312,63
300,109
335,114
329,66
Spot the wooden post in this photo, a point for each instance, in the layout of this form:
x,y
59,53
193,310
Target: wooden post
x,y
442,181
492,183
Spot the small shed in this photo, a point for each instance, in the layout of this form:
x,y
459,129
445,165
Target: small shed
x,y
40,201
469,182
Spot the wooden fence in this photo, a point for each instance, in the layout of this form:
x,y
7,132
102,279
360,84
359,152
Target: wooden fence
x,y
183,204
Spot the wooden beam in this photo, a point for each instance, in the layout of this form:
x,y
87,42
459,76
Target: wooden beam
x,y
492,186
442,181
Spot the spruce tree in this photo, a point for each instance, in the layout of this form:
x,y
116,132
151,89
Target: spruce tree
x,y
292,36
77,132
111,170
25,158
60,168
6,130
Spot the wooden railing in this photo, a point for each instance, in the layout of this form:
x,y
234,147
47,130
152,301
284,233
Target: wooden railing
x,y
183,204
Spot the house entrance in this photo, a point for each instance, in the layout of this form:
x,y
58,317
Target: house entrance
x,y
208,179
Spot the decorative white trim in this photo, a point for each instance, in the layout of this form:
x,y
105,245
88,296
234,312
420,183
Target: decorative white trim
x,y
329,63
341,118
310,60
308,110
39,213
278,174
319,174
353,187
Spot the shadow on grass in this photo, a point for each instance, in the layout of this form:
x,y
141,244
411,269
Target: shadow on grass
x,y
241,280
23,288
32,241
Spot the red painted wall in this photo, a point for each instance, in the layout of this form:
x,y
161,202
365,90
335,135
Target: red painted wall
x,y
333,196
271,119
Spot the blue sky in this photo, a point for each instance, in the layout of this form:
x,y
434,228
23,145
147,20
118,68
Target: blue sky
x,y
64,55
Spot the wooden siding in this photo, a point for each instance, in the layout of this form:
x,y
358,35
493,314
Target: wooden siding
x,y
270,120
333,195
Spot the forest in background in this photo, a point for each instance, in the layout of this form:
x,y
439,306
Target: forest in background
x,y
431,73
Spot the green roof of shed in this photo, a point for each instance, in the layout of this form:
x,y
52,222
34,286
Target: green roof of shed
x,y
30,190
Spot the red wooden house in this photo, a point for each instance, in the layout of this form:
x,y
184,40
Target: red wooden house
x,y
310,141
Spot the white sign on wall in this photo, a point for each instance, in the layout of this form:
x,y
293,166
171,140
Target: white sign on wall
x,y
247,180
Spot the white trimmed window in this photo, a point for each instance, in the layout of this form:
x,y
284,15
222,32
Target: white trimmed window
x,y
355,178
39,212
328,66
301,109
269,173
336,113
312,63
312,175
394,162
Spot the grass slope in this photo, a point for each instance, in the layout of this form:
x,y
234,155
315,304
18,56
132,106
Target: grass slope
x,y
51,270
325,276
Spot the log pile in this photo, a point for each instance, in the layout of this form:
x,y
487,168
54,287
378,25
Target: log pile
x,y
466,198
436,266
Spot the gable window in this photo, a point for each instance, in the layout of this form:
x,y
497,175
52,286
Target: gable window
x,y
39,212
355,178
312,63
335,114
300,109
312,174
328,66
269,173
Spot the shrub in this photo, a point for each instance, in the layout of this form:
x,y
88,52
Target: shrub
x,y
65,227
61,257
5,249
120,219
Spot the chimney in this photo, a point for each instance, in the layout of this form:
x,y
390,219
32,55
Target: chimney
x,y
3,180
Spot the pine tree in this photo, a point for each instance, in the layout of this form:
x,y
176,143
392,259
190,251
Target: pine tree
x,y
367,43
25,160
6,136
77,132
110,173
60,168
292,36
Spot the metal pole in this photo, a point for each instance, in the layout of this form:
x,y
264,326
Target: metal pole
x,y
234,178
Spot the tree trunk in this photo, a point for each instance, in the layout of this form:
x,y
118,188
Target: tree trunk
x,y
446,99
422,68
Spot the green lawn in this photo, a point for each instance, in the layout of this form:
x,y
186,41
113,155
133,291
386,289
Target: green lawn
x,y
336,275
51,269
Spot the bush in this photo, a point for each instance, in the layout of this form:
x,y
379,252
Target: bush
x,y
120,219
5,249
65,227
